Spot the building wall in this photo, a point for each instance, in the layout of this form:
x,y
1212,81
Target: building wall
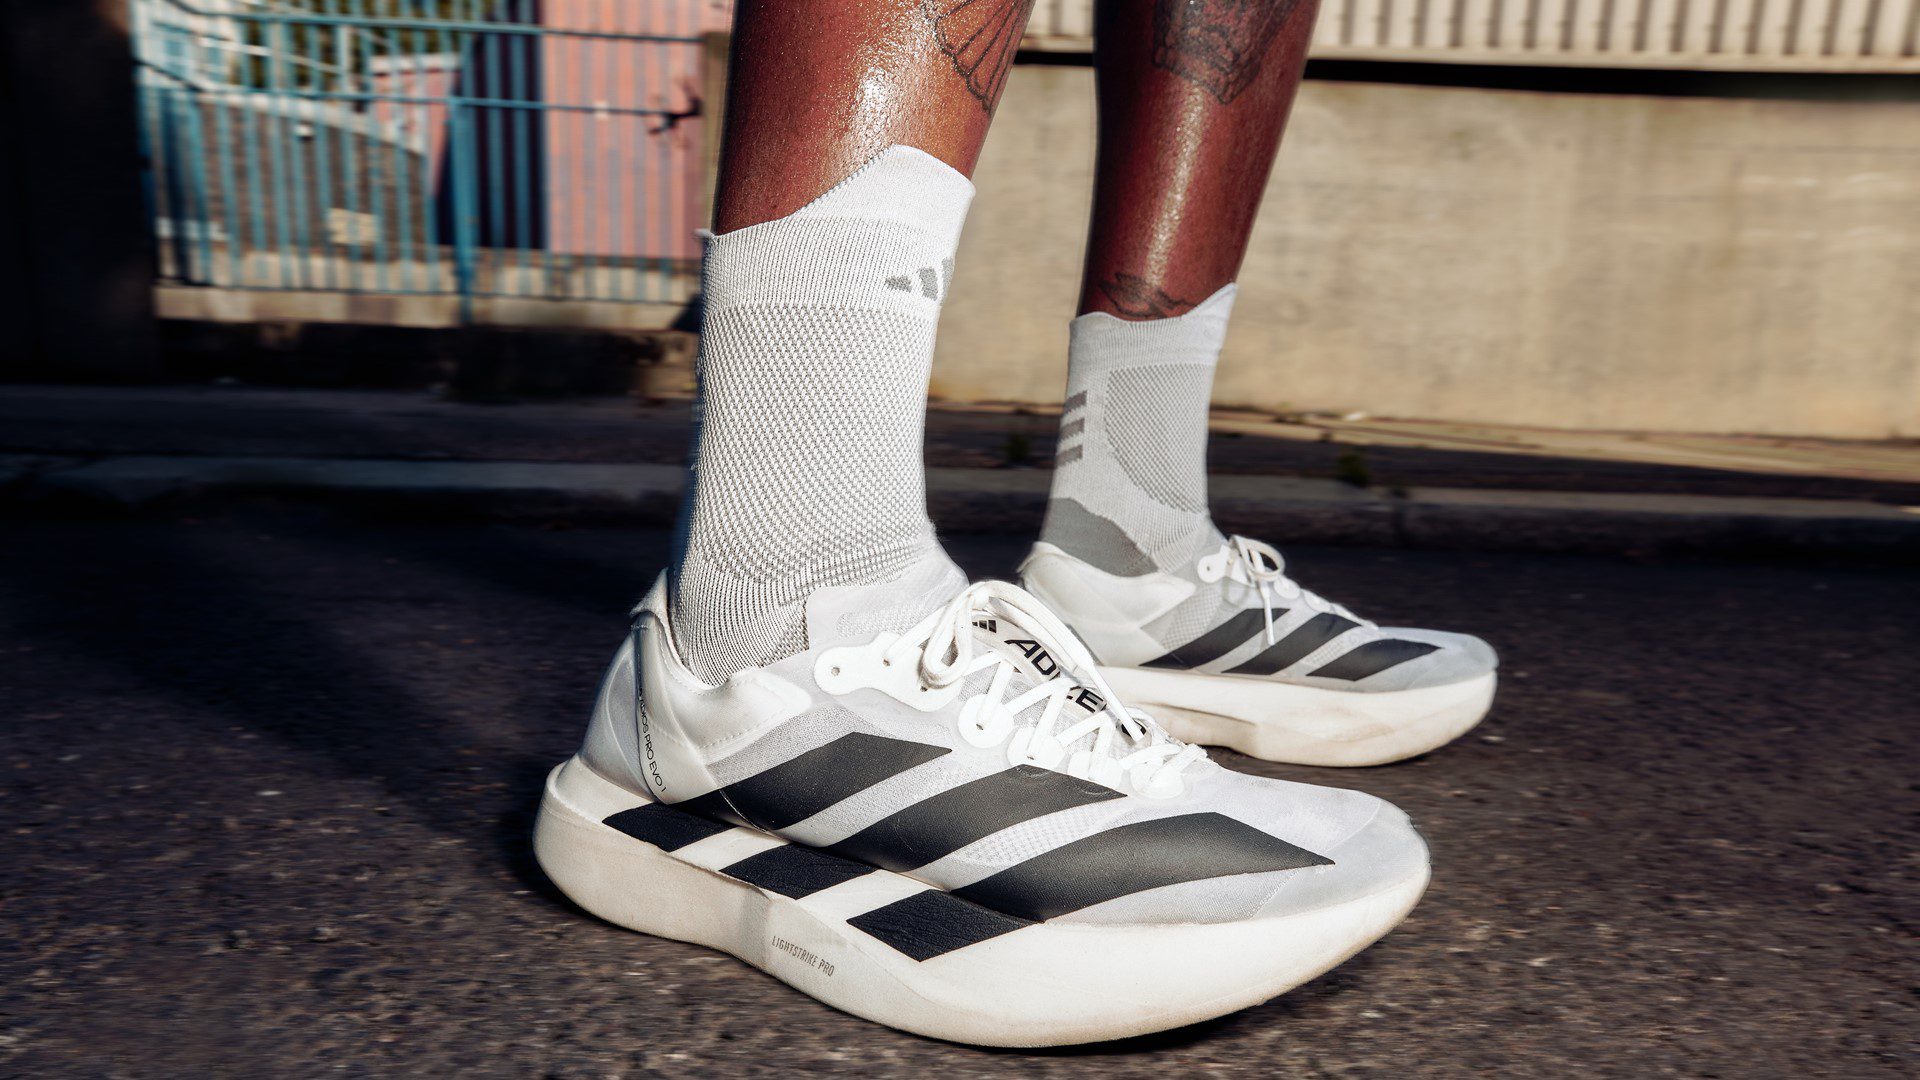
x,y
1567,260
1726,35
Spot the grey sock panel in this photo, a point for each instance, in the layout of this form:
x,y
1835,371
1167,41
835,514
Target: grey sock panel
x,y
1130,476
806,470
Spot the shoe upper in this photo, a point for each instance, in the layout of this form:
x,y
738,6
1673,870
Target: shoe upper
x,y
1233,610
978,750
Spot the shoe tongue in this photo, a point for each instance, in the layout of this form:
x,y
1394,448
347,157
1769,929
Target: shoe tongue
x,y
853,614
1034,662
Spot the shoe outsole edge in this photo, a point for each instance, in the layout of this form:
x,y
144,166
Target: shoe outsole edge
x,y
1305,725
1006,982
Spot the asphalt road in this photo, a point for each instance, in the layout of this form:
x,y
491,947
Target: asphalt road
x,y
269,780
93,421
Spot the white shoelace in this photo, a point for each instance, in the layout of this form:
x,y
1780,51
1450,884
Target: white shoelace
x,y
1251,562
1126,742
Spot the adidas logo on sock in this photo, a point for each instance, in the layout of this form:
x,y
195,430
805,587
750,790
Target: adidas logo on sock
x,y
1070,430
933,283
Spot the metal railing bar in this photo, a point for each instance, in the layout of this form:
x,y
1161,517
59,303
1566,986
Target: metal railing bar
x,y
323,172
419,23
230,196
276,153
522,169
430,162
359,96
349,157
496,147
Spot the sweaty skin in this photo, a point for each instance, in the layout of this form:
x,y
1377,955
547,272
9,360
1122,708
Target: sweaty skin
x,y
815,90
1194,95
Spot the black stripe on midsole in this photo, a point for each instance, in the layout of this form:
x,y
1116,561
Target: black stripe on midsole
x,y
1215,643
943,824
792,870
1134,858
1373,658
797,789
663,826
929,924
1289,650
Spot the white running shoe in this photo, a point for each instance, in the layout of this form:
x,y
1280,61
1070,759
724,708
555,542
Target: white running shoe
x,y
955,829
1234,653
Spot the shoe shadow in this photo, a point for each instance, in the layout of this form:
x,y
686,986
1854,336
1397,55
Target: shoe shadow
x,y
301,629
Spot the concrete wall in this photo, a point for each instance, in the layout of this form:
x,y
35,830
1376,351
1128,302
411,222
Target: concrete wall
x,y
1676,264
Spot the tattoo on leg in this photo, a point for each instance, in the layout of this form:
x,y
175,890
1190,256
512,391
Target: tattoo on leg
x,y
1217,44
980,37
1136,297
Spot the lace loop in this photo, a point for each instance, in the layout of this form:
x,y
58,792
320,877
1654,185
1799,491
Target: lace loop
x,y
1261,565
1127,744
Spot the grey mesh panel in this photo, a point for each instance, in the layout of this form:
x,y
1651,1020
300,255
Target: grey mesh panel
x,y
1156,424
1093,539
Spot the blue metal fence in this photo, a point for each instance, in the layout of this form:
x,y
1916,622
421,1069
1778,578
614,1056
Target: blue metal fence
x,y
546,149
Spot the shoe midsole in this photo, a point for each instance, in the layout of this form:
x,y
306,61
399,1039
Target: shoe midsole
x,y
1037,984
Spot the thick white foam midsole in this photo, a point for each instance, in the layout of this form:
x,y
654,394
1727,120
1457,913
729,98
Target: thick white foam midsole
x,y
1304,725
1045,984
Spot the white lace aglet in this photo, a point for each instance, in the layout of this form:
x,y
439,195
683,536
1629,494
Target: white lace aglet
x,y
1266,606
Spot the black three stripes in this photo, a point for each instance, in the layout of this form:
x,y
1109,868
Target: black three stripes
x,y
1104,866
1373,658
924,925
943,824
1133,858
1215,643
1354,665
797,789
1289,650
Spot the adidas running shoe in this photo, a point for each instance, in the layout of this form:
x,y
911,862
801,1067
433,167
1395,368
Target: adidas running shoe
x,y
1229,651
954,827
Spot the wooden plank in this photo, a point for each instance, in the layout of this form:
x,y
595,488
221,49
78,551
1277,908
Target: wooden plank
x,y
1403,22
1365,23
1776,21
1514,27
1474,25
1586,17
1734,35
1847,32
1659,29
1890,29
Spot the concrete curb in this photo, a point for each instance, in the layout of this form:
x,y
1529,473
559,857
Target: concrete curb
x,y
1283,509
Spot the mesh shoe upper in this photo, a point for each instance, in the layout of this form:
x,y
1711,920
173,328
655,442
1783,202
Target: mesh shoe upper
x,y
1231,609
984,756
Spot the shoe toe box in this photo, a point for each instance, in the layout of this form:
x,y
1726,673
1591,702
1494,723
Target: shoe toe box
x,y
1454,658
1355,846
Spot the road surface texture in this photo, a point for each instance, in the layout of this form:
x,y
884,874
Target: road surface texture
x,y
270,778
94,422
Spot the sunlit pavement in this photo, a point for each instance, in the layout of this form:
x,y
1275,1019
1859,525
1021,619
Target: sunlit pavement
x,y
270,778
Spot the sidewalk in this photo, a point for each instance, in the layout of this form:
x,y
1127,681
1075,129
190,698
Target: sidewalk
x,y
1354,480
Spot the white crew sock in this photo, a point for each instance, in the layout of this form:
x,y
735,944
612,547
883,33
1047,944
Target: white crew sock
x,y
1130,475
806,470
